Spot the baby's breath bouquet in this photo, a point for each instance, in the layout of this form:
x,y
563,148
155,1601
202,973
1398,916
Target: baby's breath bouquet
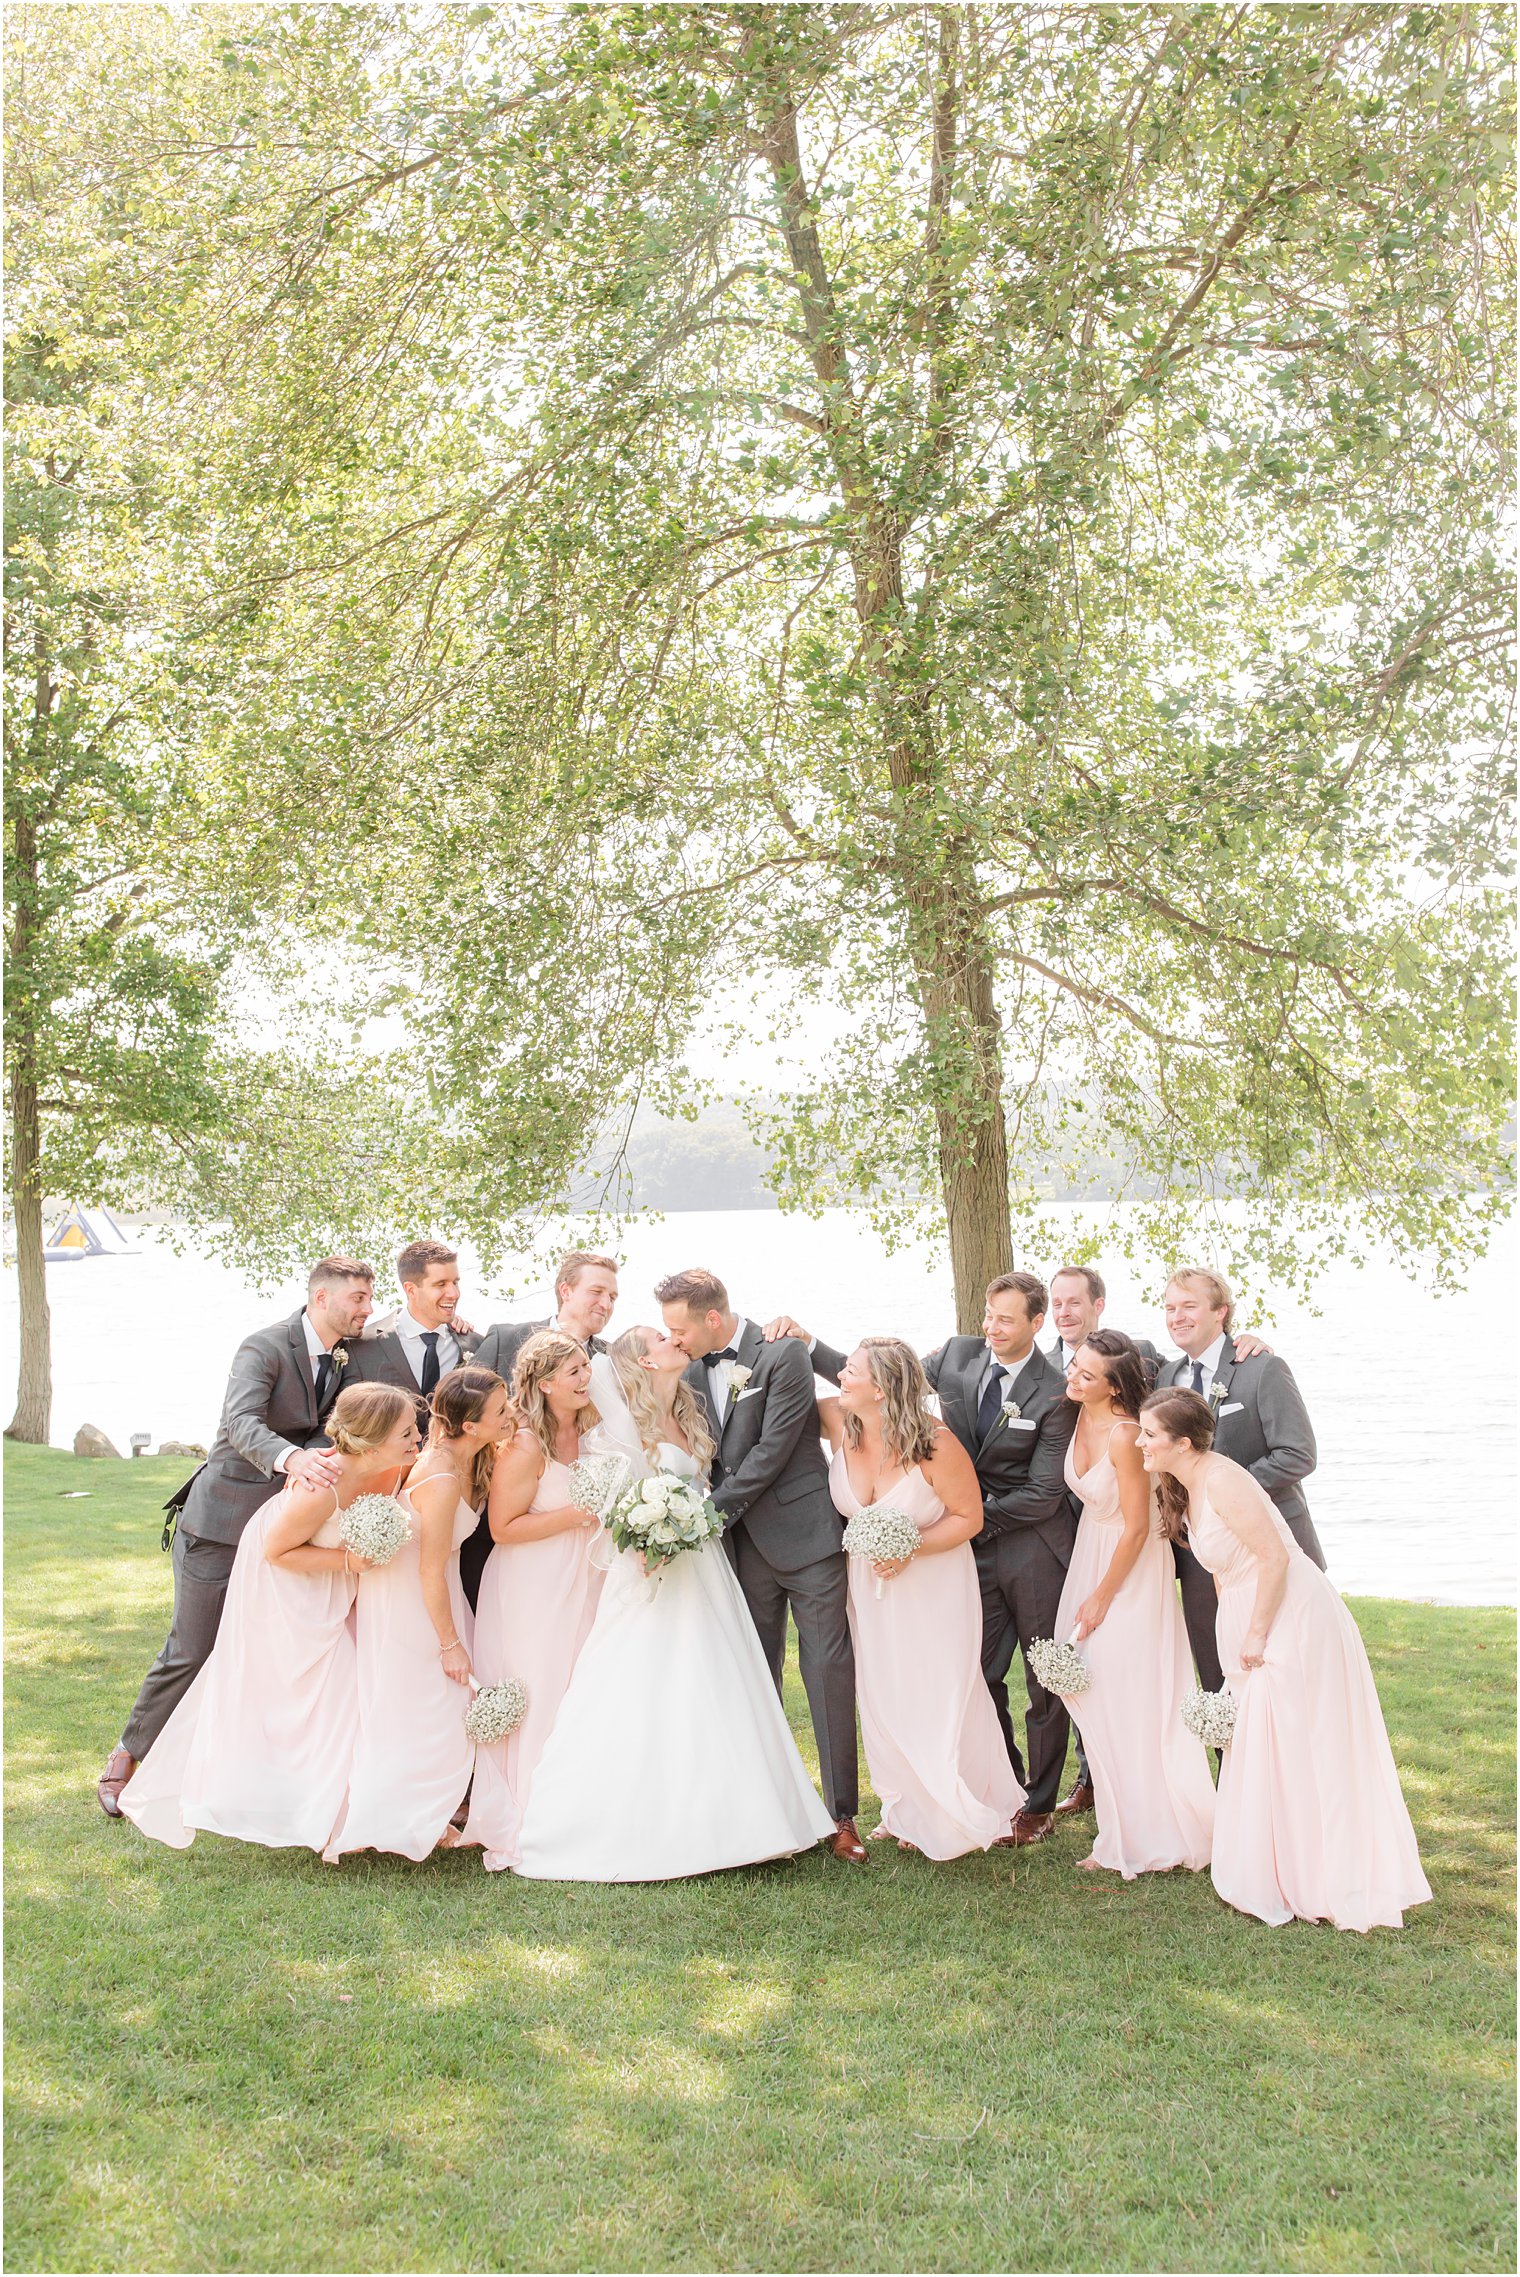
x,y
496,1710
662,1516
374,1526
1210,1716
882,1534
1059,1667
596,1481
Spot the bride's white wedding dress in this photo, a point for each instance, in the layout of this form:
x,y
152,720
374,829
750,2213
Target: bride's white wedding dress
x,y
670,1754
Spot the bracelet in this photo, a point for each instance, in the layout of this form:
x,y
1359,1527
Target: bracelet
x,y
442,1649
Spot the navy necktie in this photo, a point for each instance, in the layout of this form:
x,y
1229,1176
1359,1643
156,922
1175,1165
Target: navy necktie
x,y
324,1379
1198,1377
992,1401
430,1362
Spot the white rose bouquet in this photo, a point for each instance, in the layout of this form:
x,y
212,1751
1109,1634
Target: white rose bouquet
x,y
496,1710
662,1516
1210,1716
1059,1667
374,1526
882,1534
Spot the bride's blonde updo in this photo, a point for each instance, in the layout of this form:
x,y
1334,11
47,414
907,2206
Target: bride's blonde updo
x,y
364,1416
541,1357
907,1420
637,1387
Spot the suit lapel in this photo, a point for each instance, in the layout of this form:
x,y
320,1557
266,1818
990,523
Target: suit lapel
x,y
1224,1372
302,1364
1027,1375
751,1345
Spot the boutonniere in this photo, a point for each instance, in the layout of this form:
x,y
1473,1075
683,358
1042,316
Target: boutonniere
x,y
1011,1411
1218,1392
339,1358
738,1377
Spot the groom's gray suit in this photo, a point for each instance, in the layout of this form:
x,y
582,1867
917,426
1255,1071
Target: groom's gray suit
x,y
783,1536
1260,1422
270,1410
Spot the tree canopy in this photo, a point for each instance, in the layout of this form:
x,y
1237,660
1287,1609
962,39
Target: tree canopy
x,y
993,516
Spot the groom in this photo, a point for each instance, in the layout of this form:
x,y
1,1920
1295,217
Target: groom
x,y
783,1532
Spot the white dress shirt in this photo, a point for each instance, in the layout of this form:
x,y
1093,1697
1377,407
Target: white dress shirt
x,y
719,1372
411,1332
315,1351
1012,1370
1208,1361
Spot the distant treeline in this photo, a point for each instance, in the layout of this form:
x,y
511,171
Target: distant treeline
x,y
716,1164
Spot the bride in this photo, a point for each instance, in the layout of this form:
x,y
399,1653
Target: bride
x,y
671,1754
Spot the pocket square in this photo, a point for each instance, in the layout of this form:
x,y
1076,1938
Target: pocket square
x,y
1231,1407
1022,1423
752,1391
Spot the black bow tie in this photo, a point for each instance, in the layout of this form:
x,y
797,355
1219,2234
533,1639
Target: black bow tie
x,y
728,1353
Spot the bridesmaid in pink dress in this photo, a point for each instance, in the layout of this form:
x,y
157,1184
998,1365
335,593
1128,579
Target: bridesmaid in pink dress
x,y
933,1747
1154,1795
260,1746
1312,1822
539,1590
413,1757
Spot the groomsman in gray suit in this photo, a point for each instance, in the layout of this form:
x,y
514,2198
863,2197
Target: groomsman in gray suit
x,y
585,1295
585,1291
283,1382
1078,1294
423,1341
1260,1421
783,1533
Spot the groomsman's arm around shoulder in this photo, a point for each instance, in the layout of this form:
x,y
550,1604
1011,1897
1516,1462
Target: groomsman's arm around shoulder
x,y
827,1361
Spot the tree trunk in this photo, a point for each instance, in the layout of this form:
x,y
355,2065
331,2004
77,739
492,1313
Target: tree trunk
x,y
34,1390
960,1016
937,884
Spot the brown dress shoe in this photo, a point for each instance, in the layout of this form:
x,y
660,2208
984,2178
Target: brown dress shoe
x,y
119,1769
1030,1826
1081,1798
846,1843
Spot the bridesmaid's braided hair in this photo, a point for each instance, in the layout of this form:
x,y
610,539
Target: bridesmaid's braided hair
x,y
1181,1415
364,1416
541,1357
460,1399
907,1420
1123,1367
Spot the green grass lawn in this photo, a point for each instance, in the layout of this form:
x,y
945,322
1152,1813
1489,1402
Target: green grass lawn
x,y
235,2059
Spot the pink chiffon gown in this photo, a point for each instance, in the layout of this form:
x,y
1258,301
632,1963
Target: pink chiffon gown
x,y
1312,1822
260,1745
1153,1791
537,1603
412,1756
933,1747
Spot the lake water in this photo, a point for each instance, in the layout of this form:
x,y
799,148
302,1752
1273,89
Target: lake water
x,y
1412,1397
